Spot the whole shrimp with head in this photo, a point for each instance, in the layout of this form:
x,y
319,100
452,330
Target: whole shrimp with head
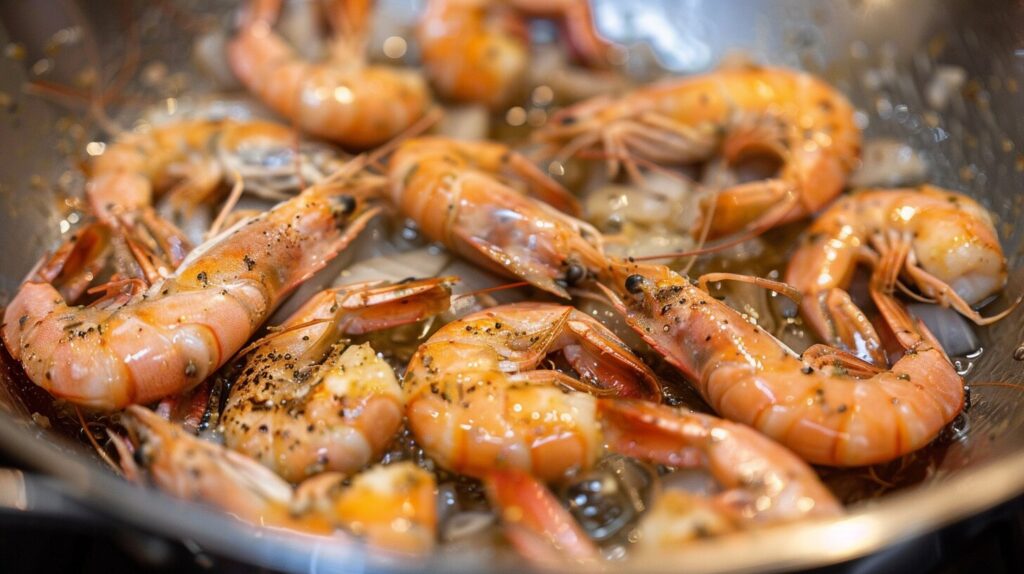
x,y
307,403
186,161
481,403
942,242
738,112
478,51
343,99
390,507
759,484
150,345
828,406
847,415
460,193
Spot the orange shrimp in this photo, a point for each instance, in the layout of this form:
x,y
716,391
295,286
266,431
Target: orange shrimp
x,y
478,51
794,116
390,507
823,412
762,483
477,400
166,340
943,242
305,402
343,100
829,408
453,191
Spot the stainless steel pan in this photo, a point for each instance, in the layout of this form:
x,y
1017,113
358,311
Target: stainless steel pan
x,y
882,53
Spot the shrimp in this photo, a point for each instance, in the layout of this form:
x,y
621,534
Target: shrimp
x,y
477,50
829,408
473,52
390,507
172,336
762,483
807,124
343,100
821,410
188,160
305,404
944,243
453,192
476,400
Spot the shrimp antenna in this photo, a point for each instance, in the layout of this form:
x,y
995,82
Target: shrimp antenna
x,y
646,163
496,288
421,125
95,444
277,333
759,229
229,204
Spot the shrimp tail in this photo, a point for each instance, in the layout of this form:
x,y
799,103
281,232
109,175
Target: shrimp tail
x,y
752,468
527,268
543,187
601,357
73,265
193,469
535,523
835,312
377,308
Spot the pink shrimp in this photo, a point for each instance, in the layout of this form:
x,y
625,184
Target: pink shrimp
x,y
390,507
305,402
800,119
163,341
343,100
943,242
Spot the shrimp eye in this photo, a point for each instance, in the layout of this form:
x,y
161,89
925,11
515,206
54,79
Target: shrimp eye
x,y
568,120
346,204
635,284
140,457
574,274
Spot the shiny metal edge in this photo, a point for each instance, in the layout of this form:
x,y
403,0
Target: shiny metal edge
x,y
865,530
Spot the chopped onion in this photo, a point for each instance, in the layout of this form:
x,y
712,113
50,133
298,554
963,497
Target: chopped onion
x,y
951,329
465,123
887,163
466,524
655,218
695,481
571,83
945,82
419,263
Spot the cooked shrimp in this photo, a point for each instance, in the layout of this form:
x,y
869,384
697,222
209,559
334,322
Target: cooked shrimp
x,y
477,401
73,265
829,408
578,27
174,335
188,161
819,410
304,403
477,50
453,192
391,507
804,122
944,242
473,50
762,483
343,100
